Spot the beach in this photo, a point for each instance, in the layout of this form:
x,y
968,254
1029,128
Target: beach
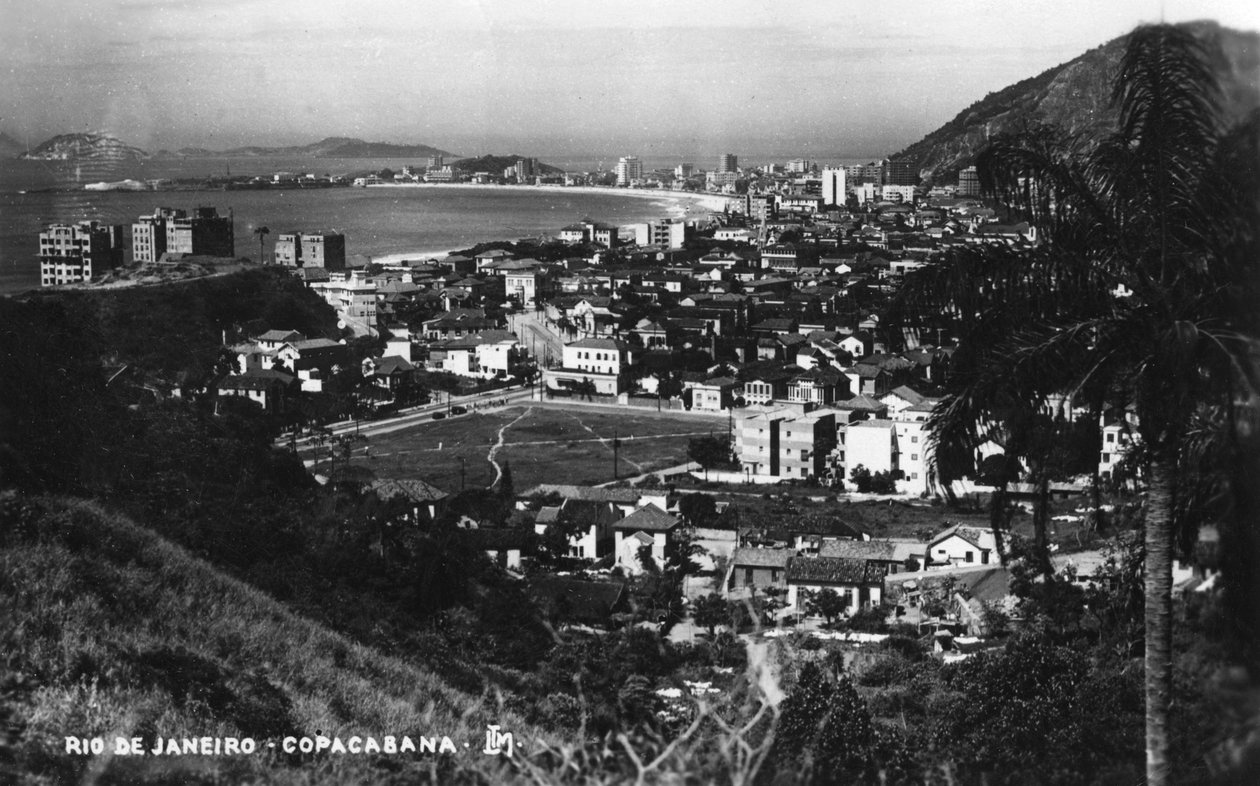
x,y
698,204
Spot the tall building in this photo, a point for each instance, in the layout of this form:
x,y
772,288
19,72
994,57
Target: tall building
x,y
834,191
70,253
670,233
148,234
311,249
629,169
858,174
968,182
798,166
525,168
728,163
684,171
204,232
899,173
436,162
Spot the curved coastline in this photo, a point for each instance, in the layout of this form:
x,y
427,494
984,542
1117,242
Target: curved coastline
x,y
709,202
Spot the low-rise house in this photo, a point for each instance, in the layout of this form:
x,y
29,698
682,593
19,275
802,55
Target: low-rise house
x,y
425,500
859,584
752,570
391,373
882,555
502,546
591,366
269,388
713,395
649,527
961,545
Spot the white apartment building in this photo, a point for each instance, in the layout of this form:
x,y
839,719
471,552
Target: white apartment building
x,y
833,186
629,169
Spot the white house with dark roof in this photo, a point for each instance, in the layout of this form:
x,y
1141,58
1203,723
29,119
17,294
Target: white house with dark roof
x,y
856,581
648,526
960,545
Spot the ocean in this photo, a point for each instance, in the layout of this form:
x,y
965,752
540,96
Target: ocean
x,y
375,221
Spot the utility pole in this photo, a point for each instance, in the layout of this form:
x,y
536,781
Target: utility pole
x,y
616,444
461,473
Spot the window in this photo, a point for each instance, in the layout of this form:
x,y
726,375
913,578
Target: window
x,y
748,576
1106,457
1111,438
969,557
774,575
914,456
914,440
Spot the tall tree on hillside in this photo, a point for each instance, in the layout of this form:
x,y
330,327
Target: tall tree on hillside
x,y
1144,284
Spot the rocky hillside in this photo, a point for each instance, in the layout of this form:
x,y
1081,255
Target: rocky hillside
x,y
1076,96
81,147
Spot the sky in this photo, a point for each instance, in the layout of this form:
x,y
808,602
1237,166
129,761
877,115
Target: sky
x,y
542,77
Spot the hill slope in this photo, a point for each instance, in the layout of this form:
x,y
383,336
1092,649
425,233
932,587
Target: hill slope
x,y
117,632
84,147
1076,96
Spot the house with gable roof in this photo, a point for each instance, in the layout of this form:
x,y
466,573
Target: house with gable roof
x,y
960,545
756,569
856,581
650,527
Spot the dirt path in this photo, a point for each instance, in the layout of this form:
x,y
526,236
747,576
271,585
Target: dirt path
x,y
494,449
606,442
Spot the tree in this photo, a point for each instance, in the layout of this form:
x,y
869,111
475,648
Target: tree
x,y
709,452
1143,285
709,611
827,603
698,509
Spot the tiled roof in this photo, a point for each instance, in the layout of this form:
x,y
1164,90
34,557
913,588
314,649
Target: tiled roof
x,y
280,335
830,570
416,490
860,549
762,558
589,493
648,518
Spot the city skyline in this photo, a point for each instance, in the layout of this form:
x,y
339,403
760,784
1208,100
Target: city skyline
x,y
642,79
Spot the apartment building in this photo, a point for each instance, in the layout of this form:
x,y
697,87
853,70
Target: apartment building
x,y
72,253
311,249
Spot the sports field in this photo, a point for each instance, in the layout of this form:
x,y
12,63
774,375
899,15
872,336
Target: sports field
x,y
543,444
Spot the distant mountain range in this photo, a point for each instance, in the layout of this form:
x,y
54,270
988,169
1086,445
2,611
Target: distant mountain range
x,y
83,147
1076,96
332,147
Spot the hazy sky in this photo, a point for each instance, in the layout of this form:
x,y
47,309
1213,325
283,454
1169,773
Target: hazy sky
x,y
539,76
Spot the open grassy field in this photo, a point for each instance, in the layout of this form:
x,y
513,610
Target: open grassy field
x,y
542,444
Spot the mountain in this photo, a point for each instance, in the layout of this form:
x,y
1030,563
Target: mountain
x,y
84,147
10,147
496,164
332,147
1077,97
113,630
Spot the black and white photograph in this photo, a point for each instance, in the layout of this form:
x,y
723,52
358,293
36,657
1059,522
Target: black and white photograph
x,y
595,393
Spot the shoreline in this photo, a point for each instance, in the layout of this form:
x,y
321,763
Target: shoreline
x,y
709,203
714,202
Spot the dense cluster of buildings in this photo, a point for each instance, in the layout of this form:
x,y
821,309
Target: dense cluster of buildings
x,y
76,253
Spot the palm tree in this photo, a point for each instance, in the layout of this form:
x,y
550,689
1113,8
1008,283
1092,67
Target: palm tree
x,y
261,232
1142,291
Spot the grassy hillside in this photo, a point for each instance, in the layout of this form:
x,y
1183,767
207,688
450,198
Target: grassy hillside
x,y
109,630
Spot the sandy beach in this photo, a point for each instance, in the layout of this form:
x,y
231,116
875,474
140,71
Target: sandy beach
x,y
687,204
